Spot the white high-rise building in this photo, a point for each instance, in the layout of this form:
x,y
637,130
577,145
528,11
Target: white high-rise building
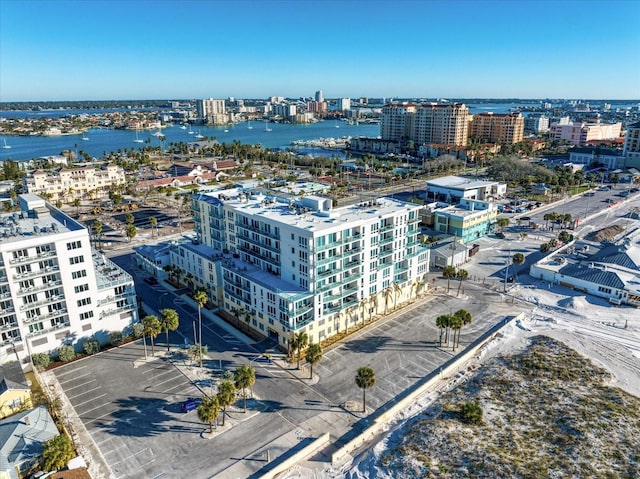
x,y
54,289
319,96
290,265
212,111
344,104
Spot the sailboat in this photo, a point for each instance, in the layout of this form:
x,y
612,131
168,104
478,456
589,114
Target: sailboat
x,y
199,136
249,127
158,133
85,137
183,127
266,126
137,138
4,145
336,125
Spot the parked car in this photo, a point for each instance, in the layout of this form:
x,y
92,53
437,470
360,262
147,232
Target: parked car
x,y
151,280
190,404
500,235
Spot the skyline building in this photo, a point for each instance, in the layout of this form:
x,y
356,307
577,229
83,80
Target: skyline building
x,y
54,289
319,97
631,150
212,111
579,133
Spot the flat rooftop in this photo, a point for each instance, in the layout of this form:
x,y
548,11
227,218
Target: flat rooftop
x,y
459,183
299,213
45,220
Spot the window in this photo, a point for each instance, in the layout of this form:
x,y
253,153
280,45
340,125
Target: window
x,y
76,260
74,245
87,315
80,288
79,274
84,302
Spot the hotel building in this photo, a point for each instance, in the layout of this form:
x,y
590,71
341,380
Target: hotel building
x,y
287,266
212,111
581,133
54,289
502,128
68,184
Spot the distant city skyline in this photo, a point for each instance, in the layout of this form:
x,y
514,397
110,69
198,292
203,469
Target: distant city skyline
x,y
101,50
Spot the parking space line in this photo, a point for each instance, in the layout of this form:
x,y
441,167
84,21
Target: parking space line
x,y
170,379
89,400
71,398
66,390
72,370
77,377
129,457
94,408
99,417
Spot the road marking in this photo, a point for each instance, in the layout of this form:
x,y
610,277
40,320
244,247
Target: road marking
x,y
97,407
83,392
77,377
99,417
66,390
170,379
130,456
72,370
89,400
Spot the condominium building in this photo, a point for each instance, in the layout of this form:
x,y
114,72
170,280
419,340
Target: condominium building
x,y
285,110
502,128
536,123
581,133
212,111
396,123
631,151
319,96
287,266
54,289
344,104
430,123
68,184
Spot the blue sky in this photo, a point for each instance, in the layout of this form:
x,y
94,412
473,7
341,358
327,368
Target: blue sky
x,y
120,49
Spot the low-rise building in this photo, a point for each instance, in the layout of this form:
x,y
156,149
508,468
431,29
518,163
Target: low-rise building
x,y
581,133
610,158
452,189
610,270
15,393
467,221
67,184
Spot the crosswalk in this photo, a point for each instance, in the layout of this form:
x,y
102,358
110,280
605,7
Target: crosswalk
x,y
231,339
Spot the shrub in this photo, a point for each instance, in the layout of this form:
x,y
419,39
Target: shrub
x,y
41,360
66,353
57,452
138,329
471,413
115,338
91,346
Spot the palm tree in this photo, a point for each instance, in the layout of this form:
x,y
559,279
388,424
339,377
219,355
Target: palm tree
x,y
449,272
461,274
387,294
209,411
96,227
396,292
201,298
151,328
129,219
244,377
131,232
503,223
517,260
226,396
299,342
443,321
313,356
455,324
464,317
57,452
76,203
365,378
153,223
169,320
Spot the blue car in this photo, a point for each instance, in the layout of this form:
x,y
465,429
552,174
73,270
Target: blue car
x,y
190,404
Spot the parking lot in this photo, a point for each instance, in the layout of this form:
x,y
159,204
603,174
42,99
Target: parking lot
x,y
128,407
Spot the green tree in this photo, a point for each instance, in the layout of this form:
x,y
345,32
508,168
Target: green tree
x,y
226,396
455,324
313,356
57,452
131,232
449,272
365,379
517,260
244,377
197,353
91,346
96,228
66,353
462,275
443,322
201,298
564,236
129,219
41,360
209,411
463,317
153,223
76,203
503,223
298,342
169,321
471,412
152,328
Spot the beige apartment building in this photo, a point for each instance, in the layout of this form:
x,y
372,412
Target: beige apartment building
x,y
67,184
426,124
502,128
631,150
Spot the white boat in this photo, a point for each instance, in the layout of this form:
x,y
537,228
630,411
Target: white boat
x,y
137,139
183,127
199,136
85,137
336,125
158,133
266,126
249,127
226,131
4,144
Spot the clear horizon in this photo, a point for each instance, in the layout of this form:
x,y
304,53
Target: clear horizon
x,y
106,50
